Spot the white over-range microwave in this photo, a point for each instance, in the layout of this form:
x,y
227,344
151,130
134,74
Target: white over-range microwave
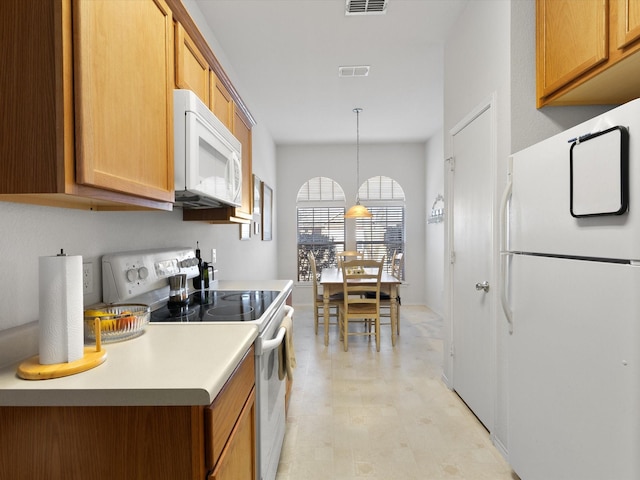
x,y
208,167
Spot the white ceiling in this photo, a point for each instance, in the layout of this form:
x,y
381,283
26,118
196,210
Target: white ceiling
x,y
286,54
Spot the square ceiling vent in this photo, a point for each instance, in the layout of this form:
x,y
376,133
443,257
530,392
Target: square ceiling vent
x,y
354,71
366,7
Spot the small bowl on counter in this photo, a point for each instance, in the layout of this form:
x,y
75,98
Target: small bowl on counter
x,y
117,322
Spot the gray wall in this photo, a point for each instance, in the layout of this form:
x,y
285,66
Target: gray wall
x,y
434,240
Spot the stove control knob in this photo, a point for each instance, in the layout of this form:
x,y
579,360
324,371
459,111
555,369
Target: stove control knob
x,y
143,273
132,274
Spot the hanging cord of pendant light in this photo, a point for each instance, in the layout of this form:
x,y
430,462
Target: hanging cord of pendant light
x,y
358,111
357,211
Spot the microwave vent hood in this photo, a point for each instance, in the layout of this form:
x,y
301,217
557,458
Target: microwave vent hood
x,y
186,199
207,156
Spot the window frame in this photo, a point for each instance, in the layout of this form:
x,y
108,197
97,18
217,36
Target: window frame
x,y
390,211
322,198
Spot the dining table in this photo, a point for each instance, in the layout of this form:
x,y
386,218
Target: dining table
x,y
331,281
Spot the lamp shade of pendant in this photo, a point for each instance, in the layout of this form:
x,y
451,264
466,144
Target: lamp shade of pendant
x,y
358,211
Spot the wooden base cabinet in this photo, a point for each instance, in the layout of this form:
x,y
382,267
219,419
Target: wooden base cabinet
x,y
231,419
233,464
87,103
135,442
78,443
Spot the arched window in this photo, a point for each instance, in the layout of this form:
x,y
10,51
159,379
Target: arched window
x,y
320,207
382,234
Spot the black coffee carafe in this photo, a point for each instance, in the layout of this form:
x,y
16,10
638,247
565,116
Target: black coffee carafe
x,y
207,275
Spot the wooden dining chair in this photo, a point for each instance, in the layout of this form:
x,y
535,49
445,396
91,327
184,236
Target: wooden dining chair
x,y
348,255
358,277
385,300
318,299
397,263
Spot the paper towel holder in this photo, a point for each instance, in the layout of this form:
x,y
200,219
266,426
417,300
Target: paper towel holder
x,y
32,369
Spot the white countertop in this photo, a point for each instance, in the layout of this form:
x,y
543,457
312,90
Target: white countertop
x,y
167,365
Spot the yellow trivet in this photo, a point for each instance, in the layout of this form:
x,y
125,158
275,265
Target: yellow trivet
x,y
32,369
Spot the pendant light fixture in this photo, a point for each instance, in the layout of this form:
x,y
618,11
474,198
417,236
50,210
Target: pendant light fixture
x,y
358,211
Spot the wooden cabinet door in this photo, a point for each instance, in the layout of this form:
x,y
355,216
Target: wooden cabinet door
x,y
237,461
102,443
192,69
221,102
123,81
628,20
572,37
243,133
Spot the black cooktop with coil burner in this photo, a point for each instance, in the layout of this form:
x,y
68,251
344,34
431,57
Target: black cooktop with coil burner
x,y
217,306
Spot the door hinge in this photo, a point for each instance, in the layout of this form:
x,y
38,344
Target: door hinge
x,y
452,351
452,257
452,163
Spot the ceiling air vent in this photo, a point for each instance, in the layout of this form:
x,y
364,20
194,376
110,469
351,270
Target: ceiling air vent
x,y
366,7
354,71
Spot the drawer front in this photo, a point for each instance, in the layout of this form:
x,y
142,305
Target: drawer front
x,y
235,462
221,416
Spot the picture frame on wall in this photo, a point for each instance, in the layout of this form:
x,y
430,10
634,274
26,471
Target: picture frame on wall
x,y
245,231
267,211
257,196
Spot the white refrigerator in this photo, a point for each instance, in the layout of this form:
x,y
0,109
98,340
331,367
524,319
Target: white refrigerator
x,y
571,293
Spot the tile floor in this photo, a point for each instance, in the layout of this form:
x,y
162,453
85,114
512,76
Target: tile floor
x,y
382,415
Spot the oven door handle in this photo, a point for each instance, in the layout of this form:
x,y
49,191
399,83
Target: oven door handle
x,y
269,345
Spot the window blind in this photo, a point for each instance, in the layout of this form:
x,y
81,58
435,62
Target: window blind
x,y
320,189
321,230
382,234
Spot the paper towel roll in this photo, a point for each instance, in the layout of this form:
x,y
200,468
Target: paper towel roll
x,y
61,309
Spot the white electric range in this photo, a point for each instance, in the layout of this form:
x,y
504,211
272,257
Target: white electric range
x,y
143,277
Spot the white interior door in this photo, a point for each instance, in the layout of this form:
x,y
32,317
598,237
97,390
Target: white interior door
x,y
471,267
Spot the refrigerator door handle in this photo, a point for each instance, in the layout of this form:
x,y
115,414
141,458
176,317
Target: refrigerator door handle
x,y
506,308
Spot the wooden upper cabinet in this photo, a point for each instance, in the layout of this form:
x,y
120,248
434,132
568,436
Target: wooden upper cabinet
x,y
571,39
221,102
192,69
93,128
242,131
124,96
586,51
628,22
